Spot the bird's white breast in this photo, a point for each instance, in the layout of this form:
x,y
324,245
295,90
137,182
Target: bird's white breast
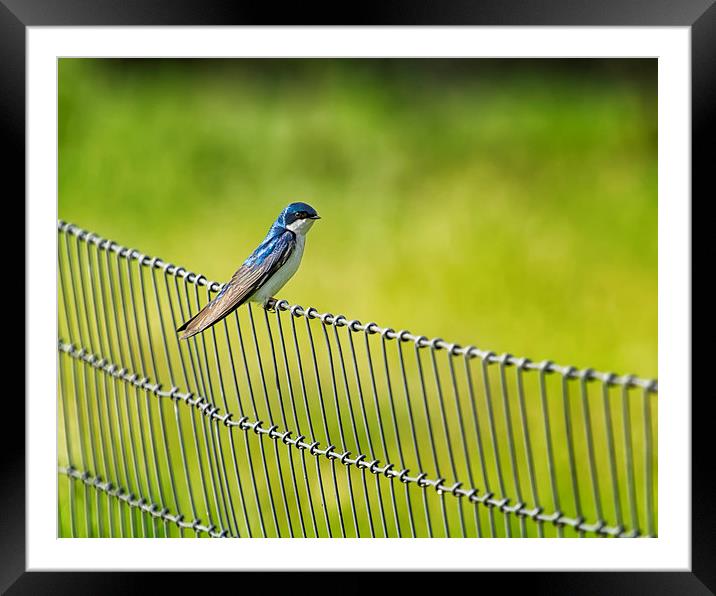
x,y
279,279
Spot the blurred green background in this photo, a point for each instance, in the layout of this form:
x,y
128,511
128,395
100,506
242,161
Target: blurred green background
x,y
510,204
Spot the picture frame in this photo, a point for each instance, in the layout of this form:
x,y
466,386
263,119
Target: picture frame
x,y
699,16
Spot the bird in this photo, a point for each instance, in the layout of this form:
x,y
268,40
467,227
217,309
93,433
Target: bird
x,y
263,273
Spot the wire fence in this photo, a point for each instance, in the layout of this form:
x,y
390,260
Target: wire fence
x,y
295,423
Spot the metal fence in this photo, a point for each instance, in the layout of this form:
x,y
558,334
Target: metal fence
x,y
295,423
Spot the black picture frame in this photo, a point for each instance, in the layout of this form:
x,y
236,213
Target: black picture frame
x,y
699,15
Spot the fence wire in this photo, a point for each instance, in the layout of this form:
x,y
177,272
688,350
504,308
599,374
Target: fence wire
x,y
296,423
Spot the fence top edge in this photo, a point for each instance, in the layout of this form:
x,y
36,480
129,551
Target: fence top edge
x,y
371,328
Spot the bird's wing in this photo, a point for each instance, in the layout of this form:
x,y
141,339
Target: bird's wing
x,y
267,259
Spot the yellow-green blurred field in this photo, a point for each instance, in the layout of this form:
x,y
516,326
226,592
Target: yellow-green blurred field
x,y
507,204
514,208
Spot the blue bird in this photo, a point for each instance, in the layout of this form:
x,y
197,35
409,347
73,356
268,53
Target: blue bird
x,y
264,273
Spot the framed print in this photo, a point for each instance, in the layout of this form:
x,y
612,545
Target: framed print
x,y
509,189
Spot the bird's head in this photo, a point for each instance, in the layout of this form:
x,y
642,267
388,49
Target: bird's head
x,y
298,217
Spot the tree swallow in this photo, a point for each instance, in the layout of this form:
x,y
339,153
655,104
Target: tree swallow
x,y
264,273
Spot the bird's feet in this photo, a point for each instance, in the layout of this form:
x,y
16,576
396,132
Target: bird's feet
x,y
270,304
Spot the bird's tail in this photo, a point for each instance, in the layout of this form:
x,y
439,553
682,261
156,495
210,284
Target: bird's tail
x,y
190,328
204,319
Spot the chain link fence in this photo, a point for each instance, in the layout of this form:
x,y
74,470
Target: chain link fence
x,y
296,423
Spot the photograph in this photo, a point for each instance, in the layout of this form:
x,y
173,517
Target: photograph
x,y
409,291
334,297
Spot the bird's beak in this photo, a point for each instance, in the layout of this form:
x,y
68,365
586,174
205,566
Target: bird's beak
x,y
315,216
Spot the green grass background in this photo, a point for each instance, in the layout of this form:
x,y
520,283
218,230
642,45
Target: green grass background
x,y
502,203
511,207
